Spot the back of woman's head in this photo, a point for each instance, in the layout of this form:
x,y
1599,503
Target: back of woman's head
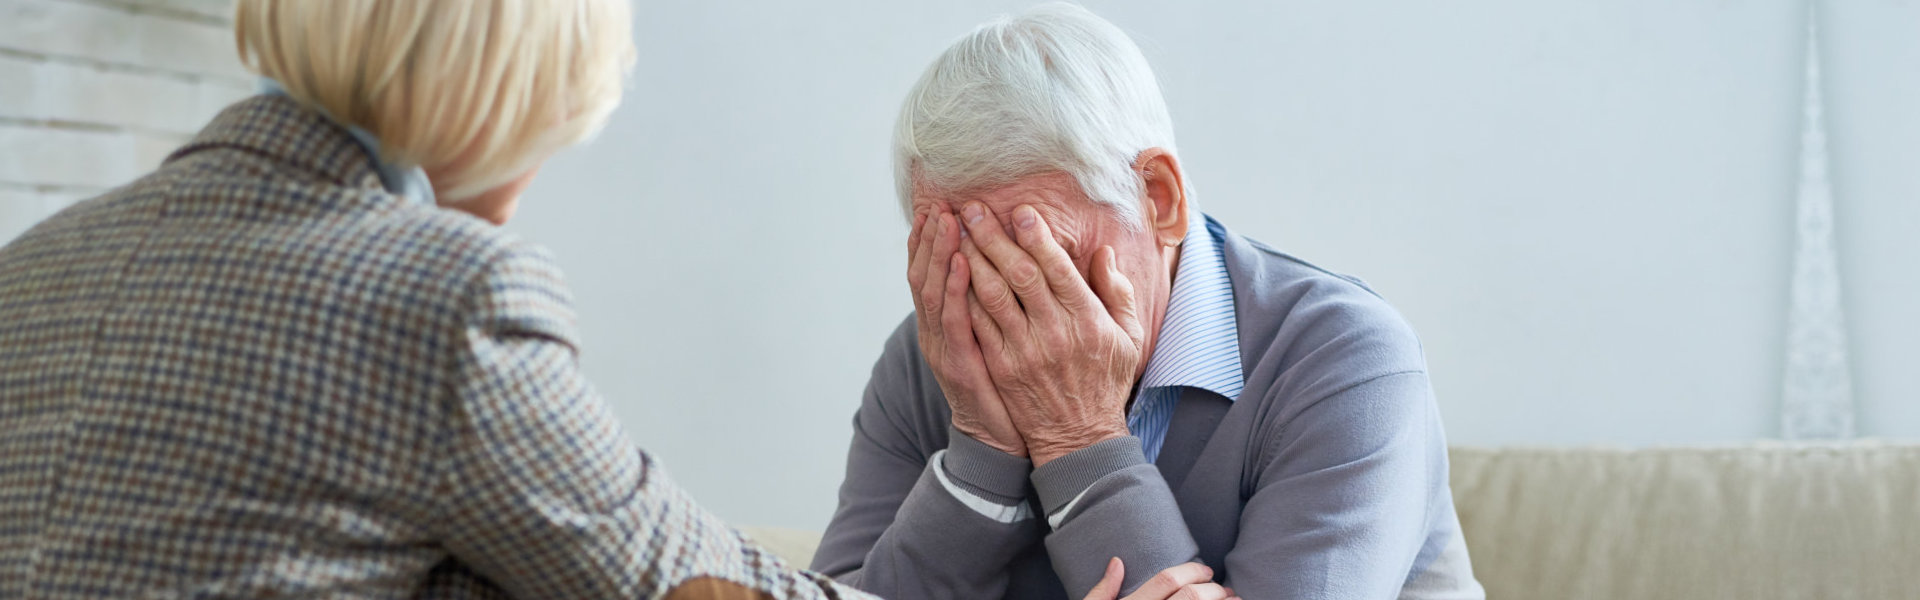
x,y
475,91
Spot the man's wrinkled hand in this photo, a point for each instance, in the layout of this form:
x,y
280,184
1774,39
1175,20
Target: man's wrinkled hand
x,y
939,279
1063,352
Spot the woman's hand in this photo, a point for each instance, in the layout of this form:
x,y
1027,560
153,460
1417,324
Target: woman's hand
x,y
1191,581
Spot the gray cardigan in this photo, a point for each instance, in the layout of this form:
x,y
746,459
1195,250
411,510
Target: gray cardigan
x,y
1326,479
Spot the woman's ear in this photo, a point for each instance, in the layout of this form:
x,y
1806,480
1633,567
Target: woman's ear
x,y
1164,189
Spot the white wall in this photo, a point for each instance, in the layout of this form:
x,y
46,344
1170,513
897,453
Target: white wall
x,y
1585,207
1876,119
94,93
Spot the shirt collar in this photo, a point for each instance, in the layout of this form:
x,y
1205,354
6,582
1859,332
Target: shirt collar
x,y
409,182
1199,343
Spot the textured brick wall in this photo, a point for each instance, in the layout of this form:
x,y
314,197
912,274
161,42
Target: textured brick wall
x,y
94,93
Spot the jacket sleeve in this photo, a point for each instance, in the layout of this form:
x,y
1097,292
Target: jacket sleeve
x,y
1343,500
1106,500
542,493
915,521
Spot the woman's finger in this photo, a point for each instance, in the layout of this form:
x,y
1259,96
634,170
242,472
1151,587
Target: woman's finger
x,y
1168,582
1109,586
1202,591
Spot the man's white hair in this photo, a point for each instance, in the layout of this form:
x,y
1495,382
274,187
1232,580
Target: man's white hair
x,y
1055,88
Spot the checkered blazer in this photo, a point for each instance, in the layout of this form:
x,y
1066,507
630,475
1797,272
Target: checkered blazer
x,y
256,373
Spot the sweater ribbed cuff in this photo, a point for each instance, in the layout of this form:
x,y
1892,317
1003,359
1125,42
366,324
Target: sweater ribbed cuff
x,y
1062,480
987,472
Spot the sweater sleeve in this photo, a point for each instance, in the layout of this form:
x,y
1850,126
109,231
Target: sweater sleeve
x,y
1106,500
901,530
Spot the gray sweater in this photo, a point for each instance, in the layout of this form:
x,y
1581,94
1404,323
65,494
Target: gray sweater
x,y
1326,479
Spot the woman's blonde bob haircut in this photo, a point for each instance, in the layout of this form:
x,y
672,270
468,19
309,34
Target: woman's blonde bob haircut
x,y
477,92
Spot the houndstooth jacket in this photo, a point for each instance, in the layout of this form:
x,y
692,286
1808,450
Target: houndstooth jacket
x,y
256,373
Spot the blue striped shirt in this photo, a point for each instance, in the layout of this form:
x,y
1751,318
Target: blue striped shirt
x,y
1199,343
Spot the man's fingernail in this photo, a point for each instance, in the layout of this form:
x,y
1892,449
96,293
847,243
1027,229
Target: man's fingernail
x,y
1025,217
973,213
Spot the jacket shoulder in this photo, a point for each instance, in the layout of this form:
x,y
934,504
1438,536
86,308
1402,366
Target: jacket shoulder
x,y
1310,331
903,395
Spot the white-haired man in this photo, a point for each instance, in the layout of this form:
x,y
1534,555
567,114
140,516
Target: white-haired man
x,y
1096,370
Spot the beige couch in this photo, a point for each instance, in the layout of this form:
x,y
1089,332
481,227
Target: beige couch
x,y
1770,520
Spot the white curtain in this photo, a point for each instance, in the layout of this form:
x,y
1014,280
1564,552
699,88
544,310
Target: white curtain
x,y
1817,402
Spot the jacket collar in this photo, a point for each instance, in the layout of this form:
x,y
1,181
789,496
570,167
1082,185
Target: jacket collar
x,y
284,131
1257,306
399,179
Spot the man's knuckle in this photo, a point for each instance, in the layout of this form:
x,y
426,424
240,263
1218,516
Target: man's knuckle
x,y
1054,342
997,300
1060,272
1089,321
1023,274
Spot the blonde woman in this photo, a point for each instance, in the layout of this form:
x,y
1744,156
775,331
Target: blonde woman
x,y
280,366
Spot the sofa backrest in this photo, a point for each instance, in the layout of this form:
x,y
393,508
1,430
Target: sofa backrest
x,y
1762,521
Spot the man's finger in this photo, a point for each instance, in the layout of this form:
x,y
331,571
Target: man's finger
x,y
1109,586
1116,293
1036,237
917,240
992,341
913,233
932,292
992,292
1020,271
956,318
1168,582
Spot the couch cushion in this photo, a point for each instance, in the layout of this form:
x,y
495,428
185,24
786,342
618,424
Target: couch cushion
x,y
1762,521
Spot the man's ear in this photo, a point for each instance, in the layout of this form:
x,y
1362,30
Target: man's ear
x,y
1164,189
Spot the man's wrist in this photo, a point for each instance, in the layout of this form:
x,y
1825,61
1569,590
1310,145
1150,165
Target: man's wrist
x,y
1066,478
1018,450
1041,454
985,471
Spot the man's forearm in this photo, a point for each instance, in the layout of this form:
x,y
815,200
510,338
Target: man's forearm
x,y
1105,501
956,532
938,546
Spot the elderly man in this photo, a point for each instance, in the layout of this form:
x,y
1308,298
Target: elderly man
x,y
1096,369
